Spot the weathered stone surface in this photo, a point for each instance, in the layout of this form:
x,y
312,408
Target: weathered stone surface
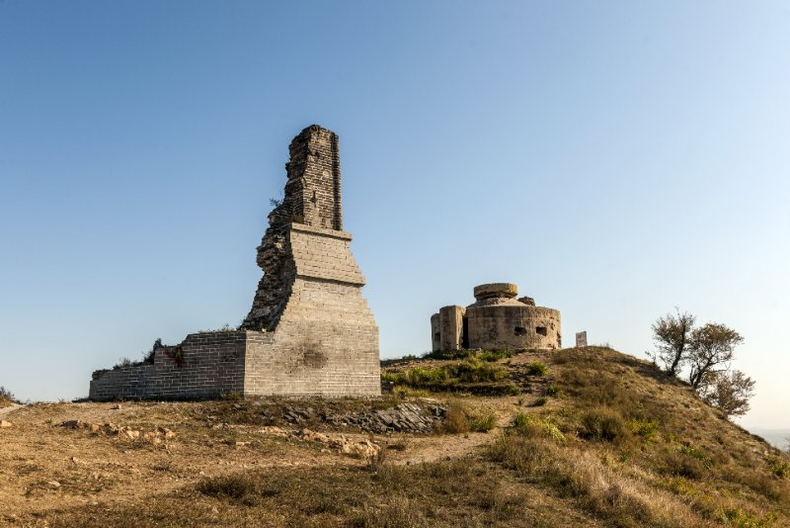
x,y
498,321
496,290
451,327
529,301
309,331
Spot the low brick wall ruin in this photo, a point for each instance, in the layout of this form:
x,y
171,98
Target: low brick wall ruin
x,y
213,364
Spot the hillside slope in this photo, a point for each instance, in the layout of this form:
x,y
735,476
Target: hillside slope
x,y
577,437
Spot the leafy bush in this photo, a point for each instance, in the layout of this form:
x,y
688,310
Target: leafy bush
x,y
532,427
779,468
124,362
692,451
482,423
489,356
684,466
469,371
647,429
536,368
603,424
494,355
540,402
552,390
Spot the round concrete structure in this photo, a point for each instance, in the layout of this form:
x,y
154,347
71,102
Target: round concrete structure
x,y
498,321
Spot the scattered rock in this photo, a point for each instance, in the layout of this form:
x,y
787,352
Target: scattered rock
x,y
54,483
274,431
124,432
167,433
5,424
361,449
130,433
314,436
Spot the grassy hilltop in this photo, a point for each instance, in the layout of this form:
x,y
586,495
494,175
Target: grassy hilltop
x,y
577,437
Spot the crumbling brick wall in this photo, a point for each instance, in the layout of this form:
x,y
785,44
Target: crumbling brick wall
x,y
309,331
213,364
312,198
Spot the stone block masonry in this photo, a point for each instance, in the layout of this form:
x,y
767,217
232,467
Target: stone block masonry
x,y
309,331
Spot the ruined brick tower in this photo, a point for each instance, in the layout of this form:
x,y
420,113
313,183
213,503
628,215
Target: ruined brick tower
x,y
310,296
309,331
312,200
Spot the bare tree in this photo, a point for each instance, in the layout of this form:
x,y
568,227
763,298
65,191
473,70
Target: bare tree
x,y
711,349
729,391
671,334
6,394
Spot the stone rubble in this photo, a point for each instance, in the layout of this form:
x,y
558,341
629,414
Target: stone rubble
x,y
126,432
402,418
355,448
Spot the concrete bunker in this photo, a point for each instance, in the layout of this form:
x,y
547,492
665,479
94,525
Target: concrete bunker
x,y
495,321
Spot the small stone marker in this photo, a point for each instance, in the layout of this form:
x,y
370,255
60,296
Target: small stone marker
x,y
581,339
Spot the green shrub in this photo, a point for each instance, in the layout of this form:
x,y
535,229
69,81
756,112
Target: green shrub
x,y
552,390
494,355
540,402
536,368
471,370
603,424
647,429
692,451
532,427
514,390
779,468
482,423
123,363
683,466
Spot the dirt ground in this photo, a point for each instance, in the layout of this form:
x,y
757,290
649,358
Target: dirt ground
x,y
44,465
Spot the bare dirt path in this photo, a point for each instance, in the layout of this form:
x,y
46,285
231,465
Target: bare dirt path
x,y
438,448
5,411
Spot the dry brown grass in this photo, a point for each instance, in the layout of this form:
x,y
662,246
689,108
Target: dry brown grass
x,y
464,492
617,444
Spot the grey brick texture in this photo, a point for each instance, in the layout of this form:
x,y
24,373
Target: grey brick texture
x,y
309,332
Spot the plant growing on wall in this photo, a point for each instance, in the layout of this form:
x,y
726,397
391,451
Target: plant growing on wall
x,y
176,353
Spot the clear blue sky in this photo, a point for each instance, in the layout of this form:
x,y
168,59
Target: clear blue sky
x,y
614,159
